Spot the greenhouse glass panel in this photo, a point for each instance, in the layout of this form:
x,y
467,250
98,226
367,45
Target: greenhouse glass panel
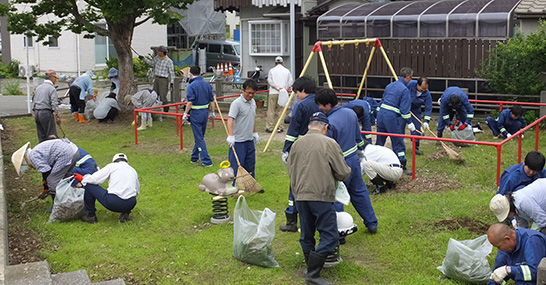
x,y
405,22
378,24
352,24
462,22
493,21
328,25
433,21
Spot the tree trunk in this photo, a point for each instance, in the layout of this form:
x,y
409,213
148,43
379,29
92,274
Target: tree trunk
x,y
121,36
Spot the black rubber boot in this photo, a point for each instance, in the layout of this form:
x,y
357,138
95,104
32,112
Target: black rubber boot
x,y
406,171
390,184
417,151
380,186
439,135
291,223
314,266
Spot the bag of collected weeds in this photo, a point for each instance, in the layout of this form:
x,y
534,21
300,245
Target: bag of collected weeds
x,y
466,260
68,204
254,231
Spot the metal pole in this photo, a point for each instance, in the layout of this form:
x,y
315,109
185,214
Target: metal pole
x,y
293,36
28,78
365,73
136,123
78,54
325,69
499,148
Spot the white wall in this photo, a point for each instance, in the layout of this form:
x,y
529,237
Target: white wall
x,y
232,20
528,26
148,35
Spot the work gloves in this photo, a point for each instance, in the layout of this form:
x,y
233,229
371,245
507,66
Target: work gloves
x,y
500,273
508,135
185,119
230,140
78,177
462,127
425,126
44,194
361,154
212,116
284,157
256,138
411,127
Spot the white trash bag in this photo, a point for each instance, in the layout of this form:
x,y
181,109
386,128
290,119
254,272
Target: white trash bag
x,y
342,195
467,260
254,231
283,97
68,204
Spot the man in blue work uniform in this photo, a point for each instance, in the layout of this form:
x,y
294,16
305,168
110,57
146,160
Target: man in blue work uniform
x,y
509,122
520,175
345,130
394,114
362,110
420,96
302,112
454,102
199,97
520,252
374,107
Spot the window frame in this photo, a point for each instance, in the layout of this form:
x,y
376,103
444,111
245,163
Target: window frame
x,y
49,40
284,33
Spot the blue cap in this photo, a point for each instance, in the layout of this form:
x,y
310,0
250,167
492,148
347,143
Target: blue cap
x,y
112,73
319,116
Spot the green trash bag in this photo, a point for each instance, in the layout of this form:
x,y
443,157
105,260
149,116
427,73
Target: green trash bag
x,y
467,260
253,235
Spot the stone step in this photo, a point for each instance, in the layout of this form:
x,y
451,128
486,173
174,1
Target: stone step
x,y
79,277
118,281
35,273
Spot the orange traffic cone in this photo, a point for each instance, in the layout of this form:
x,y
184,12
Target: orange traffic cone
x,y
230,72
226,71
218,70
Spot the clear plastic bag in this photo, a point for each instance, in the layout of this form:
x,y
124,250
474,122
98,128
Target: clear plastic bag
x,y
68,203
254,231
283,97
342,195
467,260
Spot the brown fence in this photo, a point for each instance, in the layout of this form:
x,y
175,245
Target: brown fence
x,y
452,58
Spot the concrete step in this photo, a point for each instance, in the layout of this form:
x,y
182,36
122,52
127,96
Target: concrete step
x,y
79,277
118,281
35,273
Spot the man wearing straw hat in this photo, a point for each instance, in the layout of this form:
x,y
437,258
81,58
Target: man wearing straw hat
x,y
241,128
314,165
199,96
45,105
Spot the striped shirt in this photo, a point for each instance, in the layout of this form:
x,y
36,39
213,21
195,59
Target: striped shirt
x,y
162,67
52,155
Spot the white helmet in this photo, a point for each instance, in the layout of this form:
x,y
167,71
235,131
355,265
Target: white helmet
x,y
118,156
345,224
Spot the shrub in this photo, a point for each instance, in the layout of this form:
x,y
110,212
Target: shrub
x,y
11,87
140,68
515,67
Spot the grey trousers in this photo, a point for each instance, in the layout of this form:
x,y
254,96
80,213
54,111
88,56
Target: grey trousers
x,y
54,178
45,124
161,87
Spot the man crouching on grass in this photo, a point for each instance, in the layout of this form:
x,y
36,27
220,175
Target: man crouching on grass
x,y
120,197
315,163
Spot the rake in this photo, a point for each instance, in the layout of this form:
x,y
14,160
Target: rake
x,y
451,152
244,181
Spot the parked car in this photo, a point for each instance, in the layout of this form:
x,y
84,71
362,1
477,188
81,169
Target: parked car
x,y
219,52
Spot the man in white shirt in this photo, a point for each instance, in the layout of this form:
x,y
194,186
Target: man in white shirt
x,y
382,165
120,197
279,77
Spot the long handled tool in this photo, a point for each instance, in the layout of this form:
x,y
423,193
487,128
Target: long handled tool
x,y
28,201
244,180
452,153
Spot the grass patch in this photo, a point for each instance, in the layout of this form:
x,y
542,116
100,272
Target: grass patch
x,y
11,87
171,241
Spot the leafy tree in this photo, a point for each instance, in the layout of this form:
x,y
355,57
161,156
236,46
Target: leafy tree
x,y
121,17
518,66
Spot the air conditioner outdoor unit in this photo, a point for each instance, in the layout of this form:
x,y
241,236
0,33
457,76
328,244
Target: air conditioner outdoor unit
x,y
23,70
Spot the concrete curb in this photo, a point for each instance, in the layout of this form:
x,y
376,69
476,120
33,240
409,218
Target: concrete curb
x,y
3,221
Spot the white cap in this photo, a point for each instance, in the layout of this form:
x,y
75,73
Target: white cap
x,y
18,157
118,156
500,207
278,59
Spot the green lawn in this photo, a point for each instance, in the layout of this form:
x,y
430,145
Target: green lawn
x,y
171,241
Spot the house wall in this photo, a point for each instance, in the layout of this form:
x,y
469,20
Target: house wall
x,y
528,26
232,19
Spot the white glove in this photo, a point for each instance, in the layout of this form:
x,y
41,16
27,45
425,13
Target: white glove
x,y
425,126
230,140
509,134
411,127
256,138
212,116
522,135
284,157
500,273
360,154
185,118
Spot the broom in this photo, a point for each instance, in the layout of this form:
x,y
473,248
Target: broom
x,y
452,153
244,181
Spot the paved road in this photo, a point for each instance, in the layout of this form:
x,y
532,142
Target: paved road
x,y
13,105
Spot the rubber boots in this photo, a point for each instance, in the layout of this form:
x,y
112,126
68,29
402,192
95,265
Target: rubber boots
x,y
291,223
380,186
417,151
390,184
77,117
406,171
314,266
149,123
142,126
439,135
82,119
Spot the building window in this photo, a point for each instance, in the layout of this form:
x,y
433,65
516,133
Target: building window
x,y
104,48
177,36
53,42
268,38
29,40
